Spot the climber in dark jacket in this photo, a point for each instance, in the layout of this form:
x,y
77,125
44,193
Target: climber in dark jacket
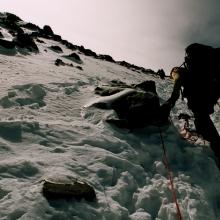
x,y
201,99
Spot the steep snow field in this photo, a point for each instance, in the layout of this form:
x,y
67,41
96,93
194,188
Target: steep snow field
x,y
50,130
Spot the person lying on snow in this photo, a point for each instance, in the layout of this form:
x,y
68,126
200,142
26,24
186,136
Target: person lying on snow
x,y
200,80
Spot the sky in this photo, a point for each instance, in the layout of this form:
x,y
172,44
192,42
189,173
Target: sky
x,y
148,33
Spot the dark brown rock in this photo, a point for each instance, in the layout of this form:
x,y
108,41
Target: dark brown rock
x,y
48,30
106,58
25,41
57,49
7,44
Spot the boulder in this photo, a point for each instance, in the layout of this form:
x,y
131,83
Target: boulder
x,y
7,44
124,63
106,58
116,86
14,28
161,73
31,26
64,42
36,34
74,57
48,30
136,106
79,67
40,41
59,62
59,188
57,37
135,68
87,52
70,45
56,49
12,18
25,41
11,22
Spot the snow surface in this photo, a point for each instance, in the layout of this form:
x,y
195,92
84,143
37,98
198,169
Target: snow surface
x,y
56,131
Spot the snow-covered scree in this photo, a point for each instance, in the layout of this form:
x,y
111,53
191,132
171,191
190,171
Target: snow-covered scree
x,y
49,129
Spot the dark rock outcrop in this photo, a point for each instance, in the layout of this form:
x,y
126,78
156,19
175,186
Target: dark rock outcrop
x,y
59,62
138,108
36,34
56,49
74,57
161,73
57,37
56,188
69,45
7,44
15,26
79,67
25,41
135,68
40,41
31,26
106,58
87,52
47,30
136,105
12,17
10,21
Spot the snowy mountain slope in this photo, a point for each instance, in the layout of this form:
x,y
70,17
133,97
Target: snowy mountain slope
x,y
48,131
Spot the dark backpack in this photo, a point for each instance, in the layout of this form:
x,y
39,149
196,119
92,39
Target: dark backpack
x,y
202,58
201,77
202,63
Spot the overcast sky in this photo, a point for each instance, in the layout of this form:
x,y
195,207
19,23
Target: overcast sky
x,y
149,33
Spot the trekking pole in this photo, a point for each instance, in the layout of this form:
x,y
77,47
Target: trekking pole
x,y
170,177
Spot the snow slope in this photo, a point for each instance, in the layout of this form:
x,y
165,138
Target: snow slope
x,y
56,132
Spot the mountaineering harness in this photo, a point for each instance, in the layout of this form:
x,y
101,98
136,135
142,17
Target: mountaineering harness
x,y
170,177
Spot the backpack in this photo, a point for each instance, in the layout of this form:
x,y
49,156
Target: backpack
x,y
201,77
202,58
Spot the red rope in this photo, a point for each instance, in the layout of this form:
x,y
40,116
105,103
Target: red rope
x,y
170,177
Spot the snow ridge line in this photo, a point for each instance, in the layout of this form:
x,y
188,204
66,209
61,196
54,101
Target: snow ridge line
x,y
170,177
